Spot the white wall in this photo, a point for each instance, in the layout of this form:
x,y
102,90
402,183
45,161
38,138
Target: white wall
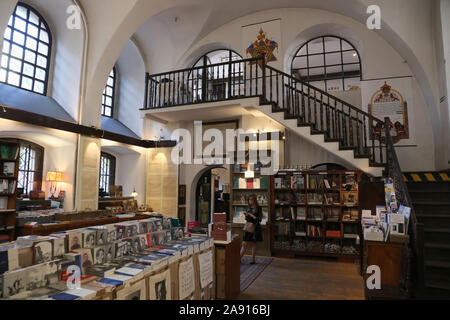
x,y
130,167
442,39
131,87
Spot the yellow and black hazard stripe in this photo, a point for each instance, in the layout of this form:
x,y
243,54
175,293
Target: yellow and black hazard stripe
x,y
426,176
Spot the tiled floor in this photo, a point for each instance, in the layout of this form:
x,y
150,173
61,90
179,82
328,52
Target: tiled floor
x,y
306,279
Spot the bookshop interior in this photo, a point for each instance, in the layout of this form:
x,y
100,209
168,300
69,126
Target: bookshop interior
x,y
224,150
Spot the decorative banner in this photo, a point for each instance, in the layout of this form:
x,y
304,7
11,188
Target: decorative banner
x,y
160,288
263,39
186,279
206,268
389,98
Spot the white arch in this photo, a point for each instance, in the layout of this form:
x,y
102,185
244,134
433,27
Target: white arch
x,y
142,10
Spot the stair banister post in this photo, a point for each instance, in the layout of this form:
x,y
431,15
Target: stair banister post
x,y
147,77
204,80
263,66
229,78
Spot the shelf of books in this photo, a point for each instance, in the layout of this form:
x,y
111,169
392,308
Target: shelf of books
x,y
247,180
316,213
245,185
9,171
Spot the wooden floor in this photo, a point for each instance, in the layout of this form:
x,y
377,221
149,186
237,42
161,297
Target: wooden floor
x,y
307,279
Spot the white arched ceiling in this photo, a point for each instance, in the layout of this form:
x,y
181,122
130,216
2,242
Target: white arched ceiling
x,y
113,22
131,87
180,25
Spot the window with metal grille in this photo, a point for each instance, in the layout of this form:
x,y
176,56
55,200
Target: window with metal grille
x,y
328,63
26,51
217,76
108,95
107,171
31,159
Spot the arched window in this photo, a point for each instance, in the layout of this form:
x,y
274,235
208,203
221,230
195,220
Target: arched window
x,y
107,171
26,51
108,95
216,76
217,56
329,63
31,164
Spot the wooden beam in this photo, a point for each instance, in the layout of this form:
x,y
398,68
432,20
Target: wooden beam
x,y
52,123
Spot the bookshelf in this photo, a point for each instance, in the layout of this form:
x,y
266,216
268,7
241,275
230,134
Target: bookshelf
x,y
9,172
241,189
316,213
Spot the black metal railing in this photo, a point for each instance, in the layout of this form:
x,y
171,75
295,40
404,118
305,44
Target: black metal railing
x,y
216,82
416,229
338,120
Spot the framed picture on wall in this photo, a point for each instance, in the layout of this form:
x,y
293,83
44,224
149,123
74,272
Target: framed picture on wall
x,y
222,126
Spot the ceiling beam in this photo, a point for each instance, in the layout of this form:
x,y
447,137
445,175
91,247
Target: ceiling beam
x,y
52,123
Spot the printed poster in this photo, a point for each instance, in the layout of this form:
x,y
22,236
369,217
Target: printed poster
x,y
186,279
206,268
160,287
390,98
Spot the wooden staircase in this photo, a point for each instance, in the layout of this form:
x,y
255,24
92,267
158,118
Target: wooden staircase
x,y
431,202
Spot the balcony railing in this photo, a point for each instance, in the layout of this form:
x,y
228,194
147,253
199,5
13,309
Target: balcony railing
x,y
217,82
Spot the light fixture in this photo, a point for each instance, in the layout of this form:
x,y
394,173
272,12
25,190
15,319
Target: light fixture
x,y
354,54
54,177
134,194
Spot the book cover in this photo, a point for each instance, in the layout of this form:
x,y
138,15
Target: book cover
x,y
74,240
89,238
42,252
250,184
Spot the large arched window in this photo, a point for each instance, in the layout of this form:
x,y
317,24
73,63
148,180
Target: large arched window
x,y
107,171
31,163
217,56
329,63
216,76
108,94
26,51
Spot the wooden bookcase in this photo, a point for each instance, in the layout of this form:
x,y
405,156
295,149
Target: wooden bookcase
x,y
316,213
239,199
9,173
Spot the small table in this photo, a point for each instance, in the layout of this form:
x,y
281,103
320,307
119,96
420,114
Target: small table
x,y
393,260
228,269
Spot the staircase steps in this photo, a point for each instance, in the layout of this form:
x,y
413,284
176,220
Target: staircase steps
x,y
437,251
435,289
437,273
430,195
434,220
437,235
424,207
438,186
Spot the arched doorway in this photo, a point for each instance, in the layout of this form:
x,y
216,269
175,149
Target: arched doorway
x,y
212,194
